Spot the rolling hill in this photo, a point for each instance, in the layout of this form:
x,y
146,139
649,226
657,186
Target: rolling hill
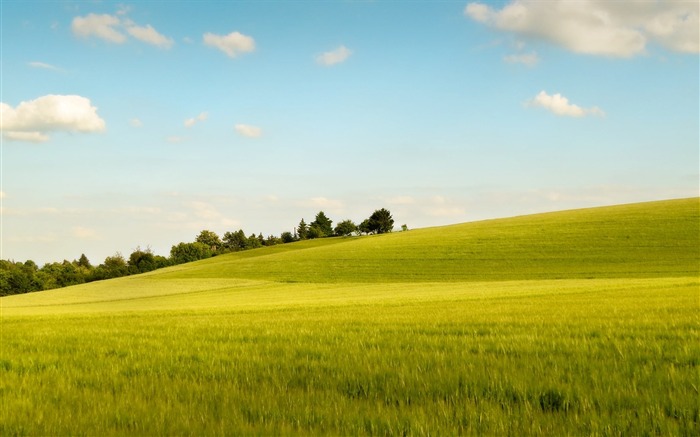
x,y
578,322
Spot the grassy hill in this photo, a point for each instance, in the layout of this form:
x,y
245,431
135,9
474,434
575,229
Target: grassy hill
x,y
570,323
640,240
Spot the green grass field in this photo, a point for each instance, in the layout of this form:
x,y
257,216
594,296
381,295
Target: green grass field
x,y
581,322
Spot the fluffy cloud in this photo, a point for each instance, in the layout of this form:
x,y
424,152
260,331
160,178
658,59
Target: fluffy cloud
x,y
32,120
232,44
248,131
102,26
192,121
149,35
598,27
528,59
334,56
111,28
560,105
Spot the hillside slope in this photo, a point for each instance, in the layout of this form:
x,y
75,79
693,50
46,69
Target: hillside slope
x,y
607,247
653,239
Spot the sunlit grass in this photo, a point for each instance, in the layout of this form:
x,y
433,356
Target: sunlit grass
x,y
218,347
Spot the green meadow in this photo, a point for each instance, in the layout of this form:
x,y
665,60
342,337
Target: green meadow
x,y
582,322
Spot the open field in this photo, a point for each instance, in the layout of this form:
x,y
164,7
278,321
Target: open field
x,y
580,322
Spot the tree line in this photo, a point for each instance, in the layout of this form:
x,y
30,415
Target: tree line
x,y
25,277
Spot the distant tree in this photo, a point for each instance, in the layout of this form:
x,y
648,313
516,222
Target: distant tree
x,y
235,241
188,252
346,227
141,261
210,239
272,240
114,266
302,230
404,228
364,227
315,232
287,237
324,224
253,242
83,261
381,222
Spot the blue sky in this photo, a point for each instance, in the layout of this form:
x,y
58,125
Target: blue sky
x,y
143,123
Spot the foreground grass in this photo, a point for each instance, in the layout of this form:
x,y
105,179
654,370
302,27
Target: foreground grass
x,y
555,357
574,323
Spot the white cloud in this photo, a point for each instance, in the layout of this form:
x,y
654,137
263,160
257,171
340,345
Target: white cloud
x,y
232,44
560,105
32,120
598,27
135,122
248,131
2,195
194,120
528,59
110,28
333,57
26,137
43,65
149,35
101,26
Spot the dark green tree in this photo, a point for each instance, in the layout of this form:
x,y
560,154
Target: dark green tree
x,y
324,224
381,222
364,227
287,237
209,238
302,230
188,252
141,261
235,241
344,228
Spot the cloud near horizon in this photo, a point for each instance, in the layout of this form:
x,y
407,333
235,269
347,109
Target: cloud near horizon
x,y
598,27
560,105
32,121
232,44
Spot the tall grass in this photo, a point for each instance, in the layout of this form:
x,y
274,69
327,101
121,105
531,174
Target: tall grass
x,y
532,348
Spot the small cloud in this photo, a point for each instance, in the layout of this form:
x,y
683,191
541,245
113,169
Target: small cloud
x,y
101,26
32,120
560,105
333,57
149,35
84,233
45,66
232,44
194,120
248,131
135,122
527,59
110,28
271,198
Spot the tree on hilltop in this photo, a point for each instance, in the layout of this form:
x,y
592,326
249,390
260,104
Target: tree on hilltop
x,y
381,222
324,225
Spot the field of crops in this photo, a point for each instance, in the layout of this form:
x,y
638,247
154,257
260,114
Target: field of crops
x,y
573,323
